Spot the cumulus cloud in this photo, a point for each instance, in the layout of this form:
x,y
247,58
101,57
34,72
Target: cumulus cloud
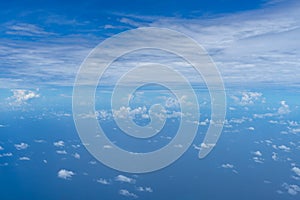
x,y
21,146
258,159
249,98
284,148
144,189
63,152
257,153
65,174
59,143
291,189
77,156
1,148
104,181
21,97
24,158
296,170
125,179
6,155
274,156
284,108
227,166
126,193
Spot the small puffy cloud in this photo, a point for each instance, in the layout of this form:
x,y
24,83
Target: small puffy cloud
x,y
227,166
124,179
284,148
6,155
24,158
21,146
59,143
104,181
274,156
257,153
126,193
248,98
1,148
63,152
251,128
65,174
284,108
21,97
258,159
77,156
291,189
144,189
296,170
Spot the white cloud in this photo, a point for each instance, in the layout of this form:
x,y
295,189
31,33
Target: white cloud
x,y
77,156
251,128
104,181
21,146
249,98
284,108
257,153
274,156
296,170
59,143
21,97
63,152
1,148
24,158
291,189
126,193
24,29
258,159
227,166
284,148
144,189
6,155
65,174
125,179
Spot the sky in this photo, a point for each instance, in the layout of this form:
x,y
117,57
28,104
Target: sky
x,y
252,42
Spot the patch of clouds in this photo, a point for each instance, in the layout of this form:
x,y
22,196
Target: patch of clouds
x,y
274,156
144,189
125,179
291,189
59,143
251,128
21,146
126,193
1,148
258,160
248,98
104,181
257,153
25,29
24,158
284,148
284,108
296,170
227,166
76,155
65,174
21,96
62,152
6,155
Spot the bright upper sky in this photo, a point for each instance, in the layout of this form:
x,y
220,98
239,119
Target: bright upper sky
x,y
43,43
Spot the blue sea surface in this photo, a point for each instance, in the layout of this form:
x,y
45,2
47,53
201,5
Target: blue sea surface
x,y
257,156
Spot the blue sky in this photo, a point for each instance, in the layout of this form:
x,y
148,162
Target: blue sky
x,y
44,43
